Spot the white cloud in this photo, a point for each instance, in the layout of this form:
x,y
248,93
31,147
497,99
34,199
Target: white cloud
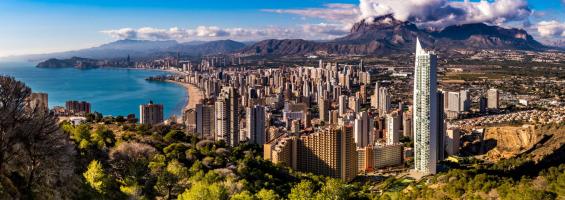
x,y
327,29
306,31
346,14
435,14
441,13
551,28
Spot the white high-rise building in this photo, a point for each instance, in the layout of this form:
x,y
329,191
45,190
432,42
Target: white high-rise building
x,y
465,100
392,128
384,101
493,97
425,111
454,101
361,129
255,119
227,116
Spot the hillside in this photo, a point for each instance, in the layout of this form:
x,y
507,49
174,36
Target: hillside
x,y
386,35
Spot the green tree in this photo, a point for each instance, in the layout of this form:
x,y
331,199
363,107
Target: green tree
x,y
333,189
265,194
175,135
302,191
103,137
203,190
244,195
96,178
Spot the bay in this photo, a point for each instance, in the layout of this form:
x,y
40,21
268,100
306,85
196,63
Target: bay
x,y
110,91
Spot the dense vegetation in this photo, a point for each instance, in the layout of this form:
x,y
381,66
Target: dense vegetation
x,y
113,158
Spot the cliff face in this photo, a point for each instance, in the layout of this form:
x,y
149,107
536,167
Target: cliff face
x,y
386,35
503,142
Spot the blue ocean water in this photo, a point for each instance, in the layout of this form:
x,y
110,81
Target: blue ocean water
x,y
110,91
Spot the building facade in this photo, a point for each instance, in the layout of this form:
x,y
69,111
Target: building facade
x,y
425,111
227,116
151,113
205,121
255,119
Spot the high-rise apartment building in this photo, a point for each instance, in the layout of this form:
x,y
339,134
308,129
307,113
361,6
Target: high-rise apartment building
x,y
375,97
354,104
454,101
452,141
255,118
440,126
150,113
361,128
425,111
392,122
330,152
407,124
77,107
205,119
323,108
227,116
493,96
342,105
465,101
384,101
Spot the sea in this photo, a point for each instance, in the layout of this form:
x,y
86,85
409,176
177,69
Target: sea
x,y
110,91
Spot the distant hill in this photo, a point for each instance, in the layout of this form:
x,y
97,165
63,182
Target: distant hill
x,y
386,35
144,48
213,47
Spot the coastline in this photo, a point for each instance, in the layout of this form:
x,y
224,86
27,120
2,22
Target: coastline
x,y
194,95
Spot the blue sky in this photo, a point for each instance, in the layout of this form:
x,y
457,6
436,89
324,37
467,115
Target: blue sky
x,y
40,26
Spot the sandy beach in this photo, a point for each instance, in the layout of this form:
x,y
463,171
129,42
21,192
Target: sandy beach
x,y
195,95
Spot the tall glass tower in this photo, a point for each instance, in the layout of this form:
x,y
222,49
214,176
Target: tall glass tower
x,y
425,111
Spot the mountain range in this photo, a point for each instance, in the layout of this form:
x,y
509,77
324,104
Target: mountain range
x,y
386,35
145,48
378,36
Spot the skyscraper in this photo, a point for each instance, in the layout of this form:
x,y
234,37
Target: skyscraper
x,y
493,98
255,118
425,111
440,126
384,101
361,129
205,121
354,104
323,107
392,122
150,113
342,105
454,101
227,116
375,97
465,100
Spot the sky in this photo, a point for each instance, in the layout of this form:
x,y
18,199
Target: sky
x,y
43,26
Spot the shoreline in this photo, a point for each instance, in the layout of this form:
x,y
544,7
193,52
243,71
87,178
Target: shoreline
x,y
194,95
